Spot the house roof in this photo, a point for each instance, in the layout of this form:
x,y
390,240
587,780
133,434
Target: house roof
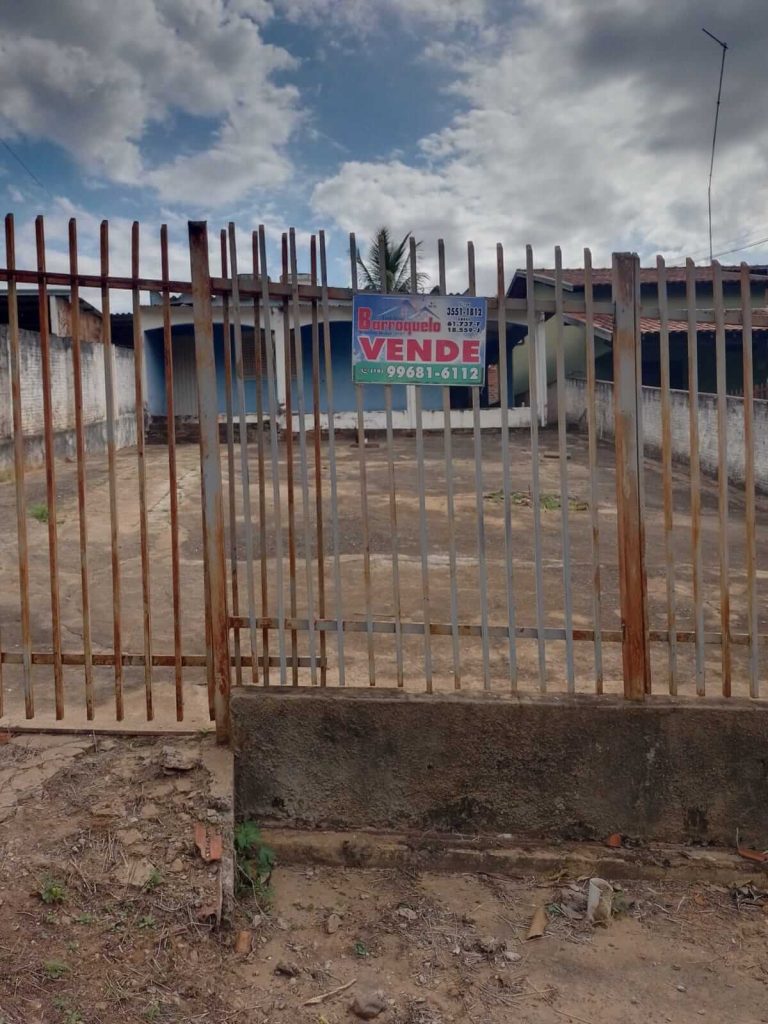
x,y
573,277
603,323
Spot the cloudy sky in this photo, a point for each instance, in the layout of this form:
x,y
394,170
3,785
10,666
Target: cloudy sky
x,y
571,122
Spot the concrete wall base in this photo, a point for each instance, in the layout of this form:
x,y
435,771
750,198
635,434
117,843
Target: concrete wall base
x,y
557,768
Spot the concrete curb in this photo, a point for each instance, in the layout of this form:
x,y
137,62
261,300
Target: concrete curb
x,y
506,857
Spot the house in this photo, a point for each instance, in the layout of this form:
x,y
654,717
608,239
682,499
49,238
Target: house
x,y
574,332
282,328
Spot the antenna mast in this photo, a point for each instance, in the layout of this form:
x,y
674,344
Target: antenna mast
x,y
714,135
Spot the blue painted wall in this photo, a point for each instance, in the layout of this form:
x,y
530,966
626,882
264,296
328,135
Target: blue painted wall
x,y
343,388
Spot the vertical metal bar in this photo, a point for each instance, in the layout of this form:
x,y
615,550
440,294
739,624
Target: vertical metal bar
x,y
749,479
361,445
74,298
244,468
533,388
114,522
274,452
303,456
501,293
395,537
628,469
328,355
482,568
722,477
318,463
666,457
594,492
422,484
138,365
562,449
226,335
208,414
289,470
263,553
18,465
172,475
449,498
693,421
392,506
50,469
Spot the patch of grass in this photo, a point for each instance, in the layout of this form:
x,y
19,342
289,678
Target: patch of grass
x,y
39,512
549,502
52,891
85,918
54,969
255,861
154,880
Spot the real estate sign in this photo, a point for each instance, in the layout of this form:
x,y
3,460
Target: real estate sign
x,y
418,339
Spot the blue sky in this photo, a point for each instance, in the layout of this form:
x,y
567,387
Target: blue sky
x,y
541,121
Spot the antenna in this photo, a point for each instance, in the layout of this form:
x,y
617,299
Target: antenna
x,y
714,135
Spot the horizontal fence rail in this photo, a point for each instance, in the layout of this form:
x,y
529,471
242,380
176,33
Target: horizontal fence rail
x,y
227,503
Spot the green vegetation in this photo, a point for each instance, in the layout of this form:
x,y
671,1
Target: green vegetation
x,y
54,969
39,512
549,502
154,880
255,861
52,891
397,264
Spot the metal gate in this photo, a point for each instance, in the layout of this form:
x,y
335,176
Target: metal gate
x,y
572,528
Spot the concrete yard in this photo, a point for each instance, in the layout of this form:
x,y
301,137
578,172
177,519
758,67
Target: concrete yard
x,y
352,577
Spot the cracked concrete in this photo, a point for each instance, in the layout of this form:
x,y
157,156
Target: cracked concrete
x,y
34,758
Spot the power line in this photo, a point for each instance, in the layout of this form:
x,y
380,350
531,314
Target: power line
x,y
21,163
714,134
740,248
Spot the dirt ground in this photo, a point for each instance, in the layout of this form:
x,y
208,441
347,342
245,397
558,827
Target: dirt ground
x,y
353,591
84,941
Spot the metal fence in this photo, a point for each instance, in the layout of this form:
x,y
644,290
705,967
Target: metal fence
x,y
439,557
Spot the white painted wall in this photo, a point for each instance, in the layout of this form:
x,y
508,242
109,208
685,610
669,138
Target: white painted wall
x,y
576,416
63,396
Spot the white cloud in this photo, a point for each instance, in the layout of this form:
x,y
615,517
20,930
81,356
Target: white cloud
x,y
584,125
95,80
363,16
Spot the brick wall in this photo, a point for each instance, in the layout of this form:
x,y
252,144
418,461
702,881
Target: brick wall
x,y
63,397
576,416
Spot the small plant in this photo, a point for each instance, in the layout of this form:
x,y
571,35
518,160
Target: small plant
x,y
152,1012
255,861
52,891
147,921
54,969
73,1017
153,881
39,512
361,949
85,918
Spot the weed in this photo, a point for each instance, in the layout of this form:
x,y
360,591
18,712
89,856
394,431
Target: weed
x,y
153,881
39,512
361,949
549,502
85,918
52,891
54,969
255,861
152,1012
73,1017
147,921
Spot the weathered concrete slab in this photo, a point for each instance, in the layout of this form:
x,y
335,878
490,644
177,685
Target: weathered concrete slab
x,y
671,771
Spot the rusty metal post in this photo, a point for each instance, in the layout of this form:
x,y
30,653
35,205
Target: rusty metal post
x,y
213,506
629,456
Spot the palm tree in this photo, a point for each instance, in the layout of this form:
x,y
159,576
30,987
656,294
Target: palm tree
x,y
396,261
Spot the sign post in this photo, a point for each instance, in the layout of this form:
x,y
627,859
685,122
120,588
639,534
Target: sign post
x,y
419,339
